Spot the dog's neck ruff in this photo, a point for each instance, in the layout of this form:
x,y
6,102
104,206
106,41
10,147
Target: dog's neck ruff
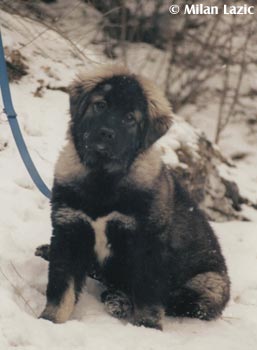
x,y
68,166
146,168
142,172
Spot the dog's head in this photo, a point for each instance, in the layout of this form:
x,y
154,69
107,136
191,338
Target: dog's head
x,y
115,115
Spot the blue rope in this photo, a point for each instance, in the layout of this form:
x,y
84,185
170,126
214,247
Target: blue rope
x,y
12,118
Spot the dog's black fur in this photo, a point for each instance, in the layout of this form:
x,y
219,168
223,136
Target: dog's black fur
x,y
119,214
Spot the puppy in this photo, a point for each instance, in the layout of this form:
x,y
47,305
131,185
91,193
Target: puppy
x,y
120,215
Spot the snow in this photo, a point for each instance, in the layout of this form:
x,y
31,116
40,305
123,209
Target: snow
x,y
180,136
25,224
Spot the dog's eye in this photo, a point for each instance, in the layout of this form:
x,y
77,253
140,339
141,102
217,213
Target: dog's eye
x,y
130,118
99,106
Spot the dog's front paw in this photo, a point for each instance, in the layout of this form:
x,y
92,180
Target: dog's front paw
x,y
117,304
150,317
46,315
54,313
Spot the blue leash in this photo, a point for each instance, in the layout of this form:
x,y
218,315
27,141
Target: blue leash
x,y
12,118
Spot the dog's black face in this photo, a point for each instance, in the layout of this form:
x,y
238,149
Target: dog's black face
x,y
110,124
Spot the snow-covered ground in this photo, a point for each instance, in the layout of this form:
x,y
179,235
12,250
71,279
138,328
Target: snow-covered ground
x,y
25,223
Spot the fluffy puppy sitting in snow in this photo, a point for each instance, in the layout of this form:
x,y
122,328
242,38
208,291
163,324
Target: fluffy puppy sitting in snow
x,y
119,214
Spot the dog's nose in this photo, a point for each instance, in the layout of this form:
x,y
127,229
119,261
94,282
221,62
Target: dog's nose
x,y
106,134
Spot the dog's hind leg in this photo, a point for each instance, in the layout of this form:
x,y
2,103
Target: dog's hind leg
x,y
203,297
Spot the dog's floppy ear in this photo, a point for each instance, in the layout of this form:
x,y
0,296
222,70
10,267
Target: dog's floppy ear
x,y
156,128
159,112
78,99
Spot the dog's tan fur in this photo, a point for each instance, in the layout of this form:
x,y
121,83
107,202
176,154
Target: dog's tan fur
x,y
212,286
61,313
68,165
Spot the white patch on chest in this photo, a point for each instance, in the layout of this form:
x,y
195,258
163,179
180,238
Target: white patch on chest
x,y
102,248
101,243
66,215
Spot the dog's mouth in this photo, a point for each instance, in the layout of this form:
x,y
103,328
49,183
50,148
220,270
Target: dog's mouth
x,y
102,150
98,155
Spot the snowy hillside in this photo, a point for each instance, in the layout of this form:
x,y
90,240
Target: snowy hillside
x,y
25,224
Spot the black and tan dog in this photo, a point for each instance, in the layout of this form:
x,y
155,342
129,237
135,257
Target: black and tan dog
x,y
118,213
